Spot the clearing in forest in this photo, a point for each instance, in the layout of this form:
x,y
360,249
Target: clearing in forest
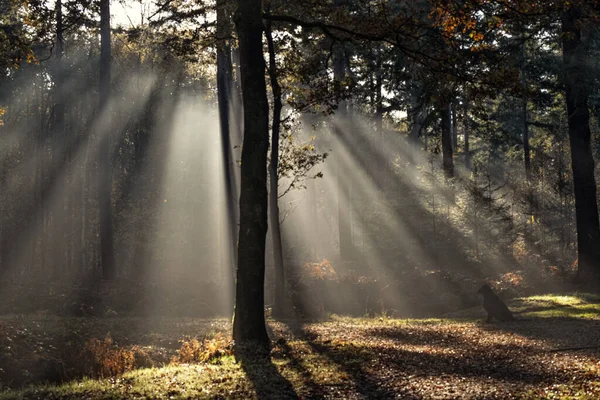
x,y
550,352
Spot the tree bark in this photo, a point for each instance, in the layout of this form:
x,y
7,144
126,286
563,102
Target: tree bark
x,y
379,94
107,255
59,133
224,85
453,109
344,213
448,162
576,87
526,148
249,319
466,127
279,306
380,161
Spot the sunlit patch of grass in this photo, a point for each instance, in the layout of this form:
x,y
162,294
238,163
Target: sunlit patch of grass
x,y
181,381
296,361
585,312
560,299
577,305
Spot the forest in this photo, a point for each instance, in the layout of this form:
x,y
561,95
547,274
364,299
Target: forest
x,y
305,199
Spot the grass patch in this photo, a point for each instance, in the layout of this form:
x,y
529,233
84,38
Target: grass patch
x,y
577,305
342,357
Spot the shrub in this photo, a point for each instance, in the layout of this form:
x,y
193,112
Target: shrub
x,y
103,358
193,350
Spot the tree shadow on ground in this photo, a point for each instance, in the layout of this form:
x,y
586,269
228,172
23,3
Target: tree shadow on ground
x,y
285,352
556,332
353,365
266,379
384,363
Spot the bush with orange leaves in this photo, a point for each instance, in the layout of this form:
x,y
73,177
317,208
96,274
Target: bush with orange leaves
x,y
193,350
320,270
103,358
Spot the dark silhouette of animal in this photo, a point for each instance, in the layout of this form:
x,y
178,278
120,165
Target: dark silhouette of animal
x,y
493,305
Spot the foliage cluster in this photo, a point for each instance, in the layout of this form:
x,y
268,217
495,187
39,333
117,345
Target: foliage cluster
x,y
104,358
209,350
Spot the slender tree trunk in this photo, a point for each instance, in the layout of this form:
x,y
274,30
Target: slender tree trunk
x,y
249,318
224,85
59,133
59,107
279,307
586,209
453,109
379,94
380,161
526,148
446,138
344,213
466,127
107,255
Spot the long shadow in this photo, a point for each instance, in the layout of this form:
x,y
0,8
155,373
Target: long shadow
x,y
557,332
368,365
430,364
267,381
314,390
352,365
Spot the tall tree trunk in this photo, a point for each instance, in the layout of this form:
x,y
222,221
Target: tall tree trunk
x,y
279,307
576,87
380,161
526,148
344,212
379,94
466,127
448,162
107,254
59,108
59,134
453,109
224,86
249,318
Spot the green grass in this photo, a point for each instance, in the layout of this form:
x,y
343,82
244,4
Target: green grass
x,y
183,381
345,357
577,305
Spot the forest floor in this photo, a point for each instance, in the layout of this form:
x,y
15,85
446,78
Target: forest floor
x,y
548,353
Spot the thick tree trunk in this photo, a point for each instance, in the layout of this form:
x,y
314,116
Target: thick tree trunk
x,y
279,307
107,254
415,129
448,162
416,116
249,318
586,208
224,86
